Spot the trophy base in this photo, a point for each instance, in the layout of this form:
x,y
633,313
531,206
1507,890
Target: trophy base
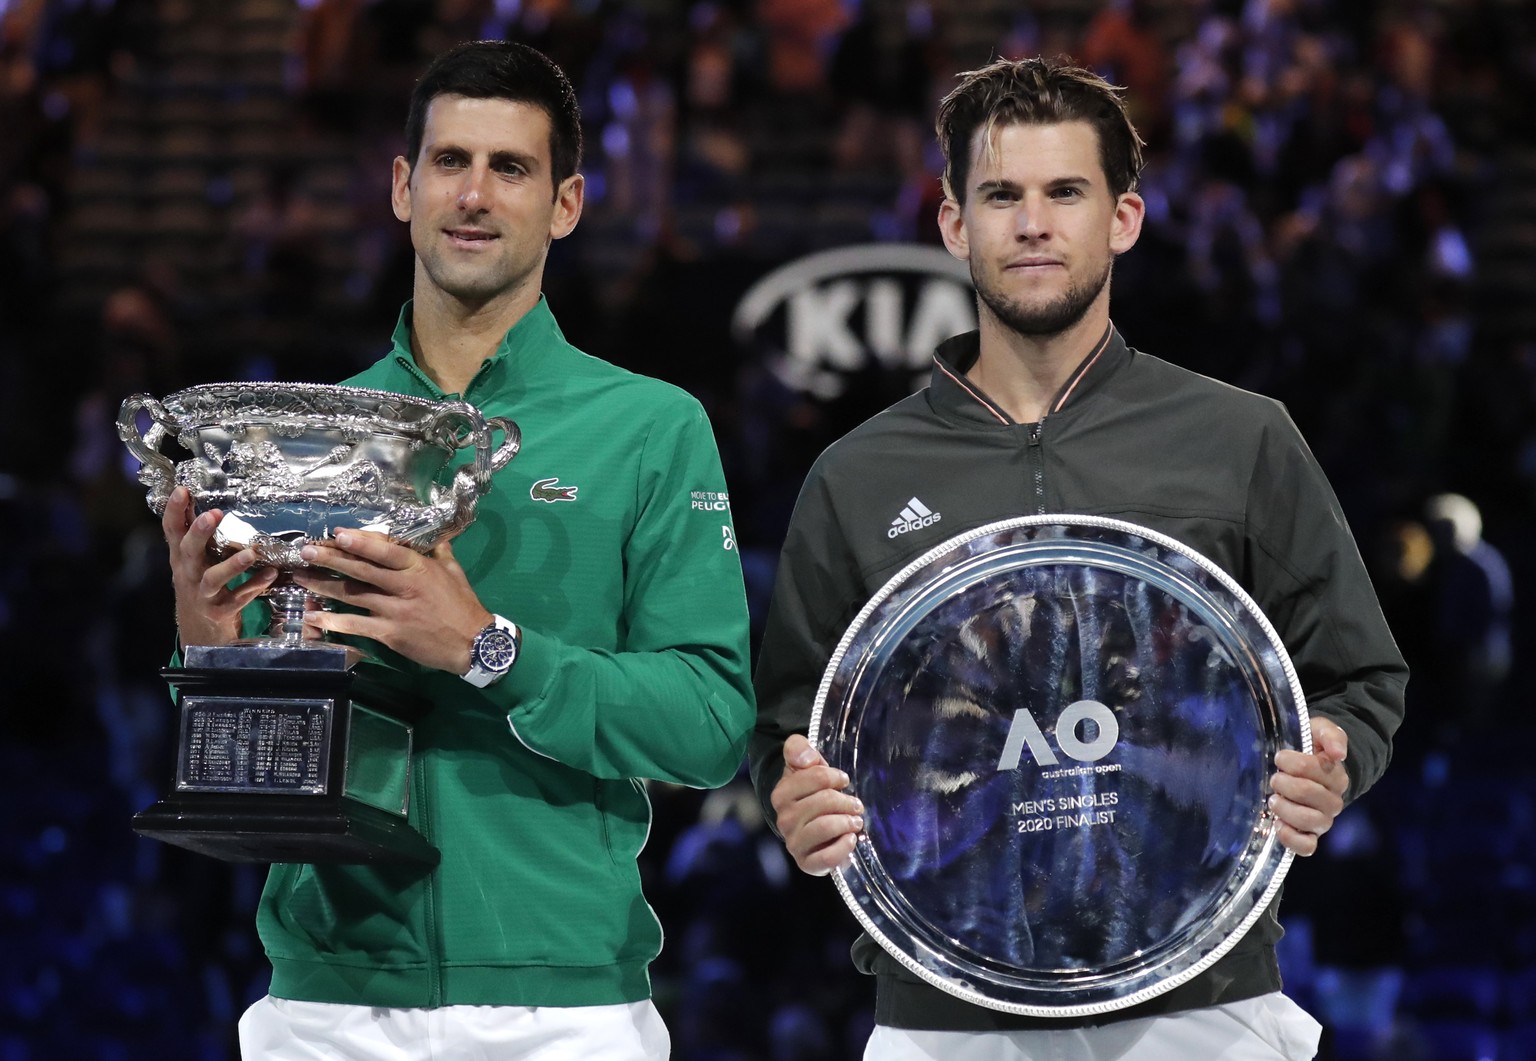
x,y
284,829
290,754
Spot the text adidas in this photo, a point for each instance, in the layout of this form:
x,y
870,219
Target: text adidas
x,y
914,516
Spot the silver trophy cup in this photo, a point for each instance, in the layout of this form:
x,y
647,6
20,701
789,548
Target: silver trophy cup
x,y
290,464
293,749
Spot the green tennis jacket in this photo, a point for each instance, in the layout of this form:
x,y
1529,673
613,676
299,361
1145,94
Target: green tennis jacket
x,y
609,540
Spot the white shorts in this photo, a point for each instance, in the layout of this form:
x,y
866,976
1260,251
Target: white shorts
x,y
1268,1028
279,1029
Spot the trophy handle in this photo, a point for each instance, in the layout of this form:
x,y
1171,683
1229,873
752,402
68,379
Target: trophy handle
x,y
510,443
474,479
460,424
156,470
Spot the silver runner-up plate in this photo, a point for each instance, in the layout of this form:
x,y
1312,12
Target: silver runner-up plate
x,y
1062,729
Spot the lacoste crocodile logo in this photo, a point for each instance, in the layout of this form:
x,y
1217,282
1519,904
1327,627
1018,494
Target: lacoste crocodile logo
x,y
546,490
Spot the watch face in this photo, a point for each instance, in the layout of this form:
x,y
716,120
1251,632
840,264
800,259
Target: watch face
x,y
495,649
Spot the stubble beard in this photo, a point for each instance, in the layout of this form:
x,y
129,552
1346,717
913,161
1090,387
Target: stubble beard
x,y
477,282
471,284
1045,319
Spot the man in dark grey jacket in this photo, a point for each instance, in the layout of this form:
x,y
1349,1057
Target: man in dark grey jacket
x,y
1047,410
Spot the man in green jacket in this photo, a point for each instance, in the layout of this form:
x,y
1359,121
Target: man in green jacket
x,y
603,557
1047,410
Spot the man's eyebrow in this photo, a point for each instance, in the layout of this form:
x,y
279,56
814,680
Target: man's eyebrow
x,y
1003,184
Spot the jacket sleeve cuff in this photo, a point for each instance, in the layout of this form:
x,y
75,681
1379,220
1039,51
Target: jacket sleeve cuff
x,y
538,661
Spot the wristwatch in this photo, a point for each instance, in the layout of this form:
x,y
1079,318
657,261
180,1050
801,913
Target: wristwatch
x,y
493,652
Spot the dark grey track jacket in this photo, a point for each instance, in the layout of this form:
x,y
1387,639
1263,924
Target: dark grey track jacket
x,y
1131,437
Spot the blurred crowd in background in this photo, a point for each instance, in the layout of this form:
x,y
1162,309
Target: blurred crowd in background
x,y
1341,214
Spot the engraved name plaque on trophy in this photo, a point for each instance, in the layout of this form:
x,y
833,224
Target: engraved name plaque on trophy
x,y
1062,729
291,749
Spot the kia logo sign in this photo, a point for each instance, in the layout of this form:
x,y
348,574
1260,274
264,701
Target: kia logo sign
x,y
838,311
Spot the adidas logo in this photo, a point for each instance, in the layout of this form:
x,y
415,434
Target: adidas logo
x,y
914,516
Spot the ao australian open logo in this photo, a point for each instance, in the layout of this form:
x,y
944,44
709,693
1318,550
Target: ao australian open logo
x,y
1086,732
830,315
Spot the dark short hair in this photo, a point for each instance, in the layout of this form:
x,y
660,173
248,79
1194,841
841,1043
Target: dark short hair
x,y
502,70
1036,92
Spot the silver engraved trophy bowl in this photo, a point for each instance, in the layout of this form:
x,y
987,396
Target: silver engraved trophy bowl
x,y
291,463
292,749
1063,730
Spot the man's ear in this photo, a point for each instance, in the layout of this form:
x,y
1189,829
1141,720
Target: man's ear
x,y
1125,230
952,229
400,188
569,198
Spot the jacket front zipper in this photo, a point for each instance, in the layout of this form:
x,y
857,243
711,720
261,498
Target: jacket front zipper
x,y
1037,466
429,900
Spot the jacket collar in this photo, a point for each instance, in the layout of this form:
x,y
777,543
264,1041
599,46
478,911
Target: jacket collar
x,y
952,393
526,346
